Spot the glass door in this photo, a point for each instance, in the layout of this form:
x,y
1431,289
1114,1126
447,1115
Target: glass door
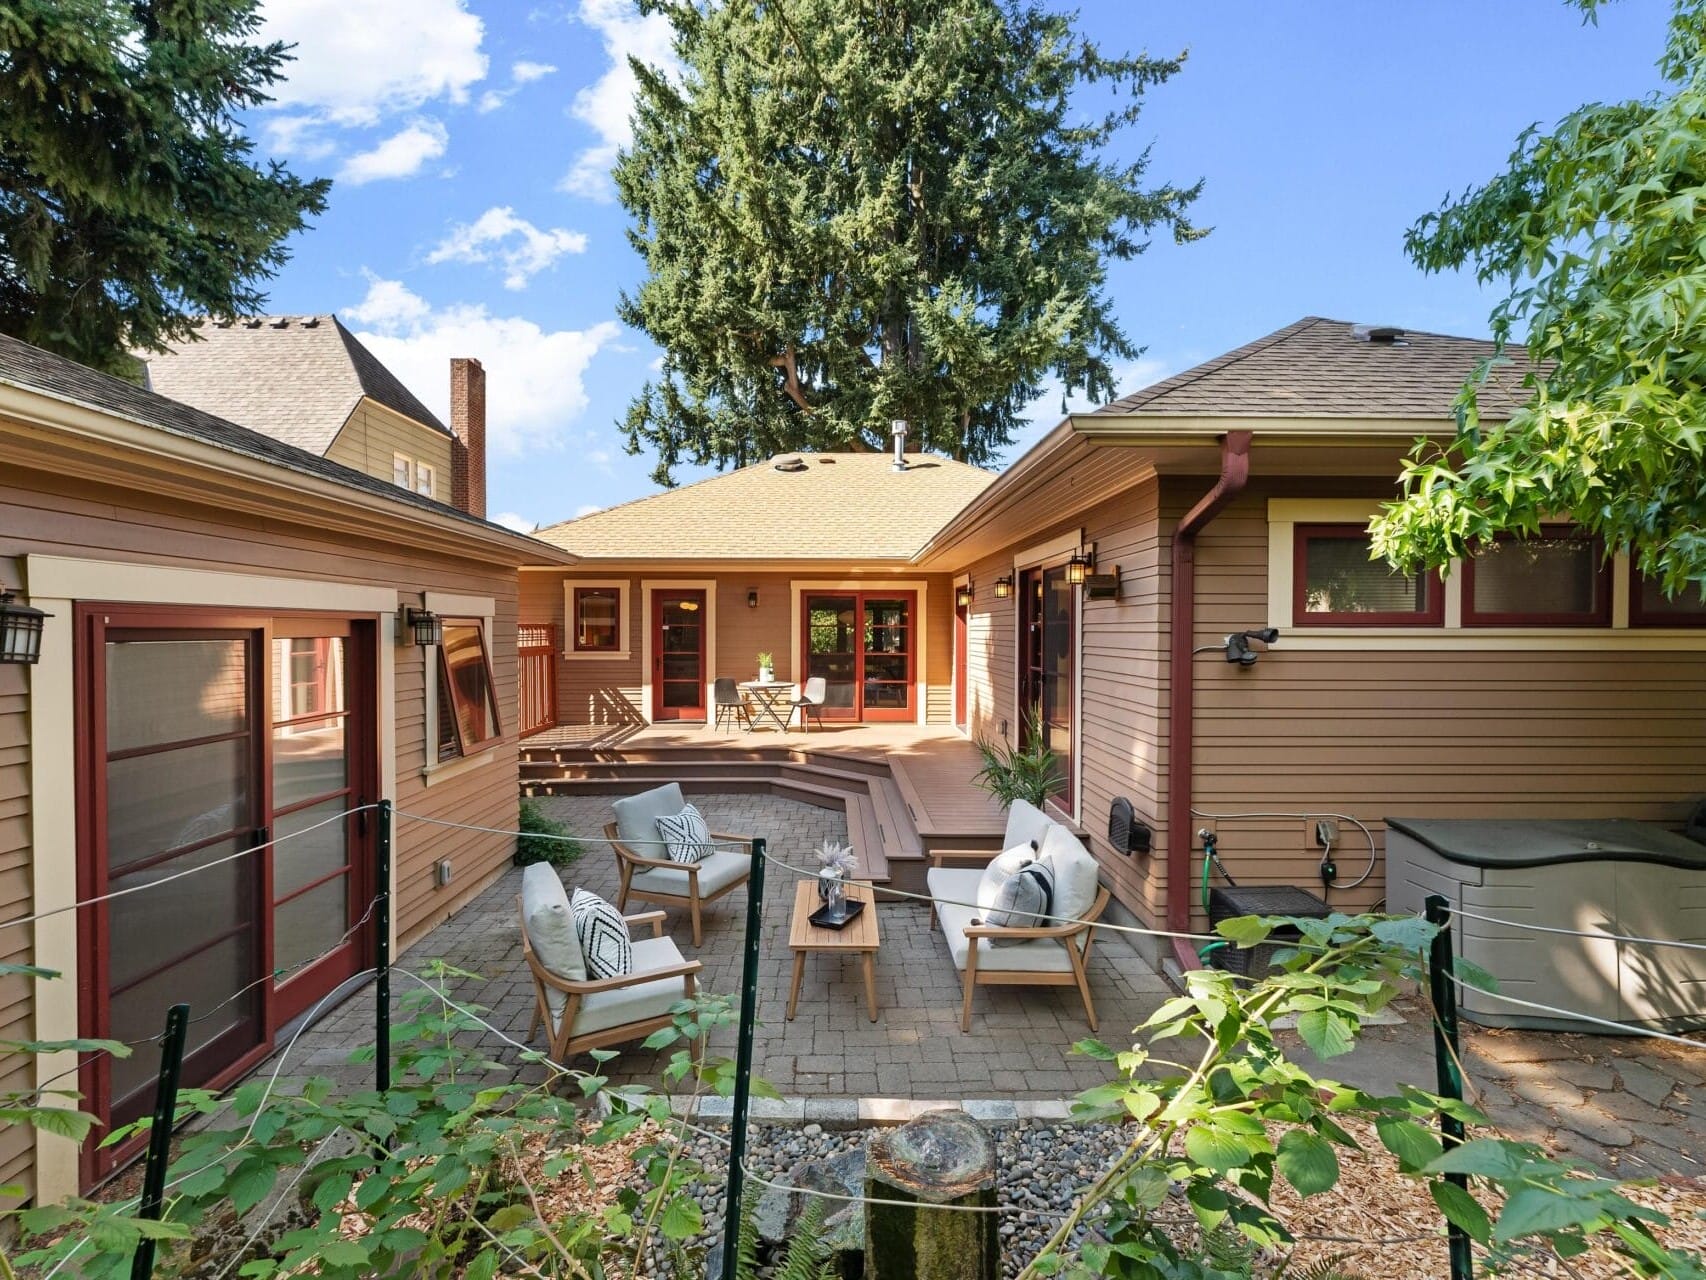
x,y
316,775
177,788
1048,690
862,646
678,655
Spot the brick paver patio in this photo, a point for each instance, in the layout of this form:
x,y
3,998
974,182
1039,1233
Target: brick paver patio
x,y
1017,1047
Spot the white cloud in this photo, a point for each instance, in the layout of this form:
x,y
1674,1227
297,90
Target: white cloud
x,y
359,61
607,104
510,520
402,155
534,376
499,235
520,73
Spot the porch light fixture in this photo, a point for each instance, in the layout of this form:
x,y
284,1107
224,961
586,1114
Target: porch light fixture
x,y
424,627
20,631
1003,587
1238,648
965,595
1079,566
752,599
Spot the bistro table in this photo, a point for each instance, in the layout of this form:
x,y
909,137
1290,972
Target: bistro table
x,y
772,699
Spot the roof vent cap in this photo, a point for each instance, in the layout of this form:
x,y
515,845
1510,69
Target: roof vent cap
x,y
898,430
788,462
310,322
1386,335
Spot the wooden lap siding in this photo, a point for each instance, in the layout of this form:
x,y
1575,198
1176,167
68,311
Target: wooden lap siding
x,y
374,435
608,691
54,515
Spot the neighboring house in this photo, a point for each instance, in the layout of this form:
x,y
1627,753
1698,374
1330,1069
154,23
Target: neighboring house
x,y
225,658
806,556
1539,680
307,381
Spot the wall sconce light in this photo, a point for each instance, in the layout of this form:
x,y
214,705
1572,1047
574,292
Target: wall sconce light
x,y
752,599
1003,587
1079,566
20,631
1238,648
424,627
965,595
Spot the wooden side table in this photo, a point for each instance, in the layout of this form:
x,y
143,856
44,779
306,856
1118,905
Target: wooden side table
x,y
859,936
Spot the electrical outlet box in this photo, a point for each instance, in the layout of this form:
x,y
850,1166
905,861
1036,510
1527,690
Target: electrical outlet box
x,y
1003,728
443,872
1324,834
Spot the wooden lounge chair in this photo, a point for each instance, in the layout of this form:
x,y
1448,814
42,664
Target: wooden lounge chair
x,y
595,1013
649,875
1048,954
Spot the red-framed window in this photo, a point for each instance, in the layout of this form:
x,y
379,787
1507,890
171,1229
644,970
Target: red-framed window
x,y
597,622
1650,607
1559,577
1335,583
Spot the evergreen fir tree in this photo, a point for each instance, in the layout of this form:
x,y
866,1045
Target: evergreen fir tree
x,y
854,211
129,203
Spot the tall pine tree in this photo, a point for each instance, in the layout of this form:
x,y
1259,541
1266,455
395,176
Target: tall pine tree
x,y
860,210
128,199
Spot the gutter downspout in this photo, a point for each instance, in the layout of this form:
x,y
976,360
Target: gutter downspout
x,y
1181,702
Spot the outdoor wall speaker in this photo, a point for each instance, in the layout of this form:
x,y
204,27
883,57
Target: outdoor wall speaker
x,y
1127,832
1103,586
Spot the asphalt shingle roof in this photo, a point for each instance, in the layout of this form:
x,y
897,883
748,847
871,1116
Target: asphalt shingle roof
x,y
1323,368
836,506
294,378
33,369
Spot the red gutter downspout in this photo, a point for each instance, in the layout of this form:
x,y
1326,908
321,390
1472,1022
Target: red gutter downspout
x,y
1234,474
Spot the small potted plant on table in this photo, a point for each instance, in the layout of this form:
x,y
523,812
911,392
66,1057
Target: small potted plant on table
x,y
766,668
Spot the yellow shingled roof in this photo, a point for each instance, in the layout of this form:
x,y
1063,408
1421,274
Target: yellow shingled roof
x,y
807,506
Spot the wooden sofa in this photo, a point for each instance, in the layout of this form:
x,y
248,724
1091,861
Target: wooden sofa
x,y
1051,953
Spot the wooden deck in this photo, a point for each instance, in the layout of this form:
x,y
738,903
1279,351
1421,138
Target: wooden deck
x,y
905,788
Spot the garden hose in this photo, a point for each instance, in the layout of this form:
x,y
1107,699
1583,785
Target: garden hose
x,y
1210,859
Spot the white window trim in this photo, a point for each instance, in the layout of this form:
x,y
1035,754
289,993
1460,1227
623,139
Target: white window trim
x,y
1047,555
1285,514
709,587
409,465
799,587
429,473
624,621
435,771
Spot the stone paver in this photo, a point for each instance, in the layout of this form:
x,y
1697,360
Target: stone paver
x,y
1018,1046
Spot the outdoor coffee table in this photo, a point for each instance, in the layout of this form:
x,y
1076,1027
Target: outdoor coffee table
x,y
774,700
859,936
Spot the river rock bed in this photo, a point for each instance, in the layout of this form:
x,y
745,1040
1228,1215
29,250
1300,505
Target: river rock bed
x,y
1041,1169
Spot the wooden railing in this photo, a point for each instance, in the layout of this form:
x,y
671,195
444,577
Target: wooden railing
x,y
538,677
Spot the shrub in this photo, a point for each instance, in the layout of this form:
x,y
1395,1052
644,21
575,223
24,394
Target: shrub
x,y
544,839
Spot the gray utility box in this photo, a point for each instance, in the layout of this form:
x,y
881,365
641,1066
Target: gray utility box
x,y
1610,876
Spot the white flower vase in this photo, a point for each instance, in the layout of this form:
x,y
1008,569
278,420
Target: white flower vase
x,y
766,675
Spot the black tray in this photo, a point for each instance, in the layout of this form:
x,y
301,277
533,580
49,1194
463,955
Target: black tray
x,y
823,920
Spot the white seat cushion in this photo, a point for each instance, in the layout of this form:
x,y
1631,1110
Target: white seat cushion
x,y
717,872
1025,825
550,926
953,885
644,1000
1075,872
637,818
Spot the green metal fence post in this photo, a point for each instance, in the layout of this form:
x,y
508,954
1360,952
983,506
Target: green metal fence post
x,y
382,951
160,1134
1446,1069
743,1059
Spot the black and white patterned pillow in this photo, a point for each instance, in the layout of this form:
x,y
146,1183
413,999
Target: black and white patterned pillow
x,y
603,935
686,836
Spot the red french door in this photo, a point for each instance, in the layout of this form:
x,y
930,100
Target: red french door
x,y
678,655
202,736
863,647
1048,688
962,665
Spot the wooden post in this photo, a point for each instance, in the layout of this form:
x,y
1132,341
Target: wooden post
x,y
940,1158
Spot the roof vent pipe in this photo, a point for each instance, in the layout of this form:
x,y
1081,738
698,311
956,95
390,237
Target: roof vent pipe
x,y
898,427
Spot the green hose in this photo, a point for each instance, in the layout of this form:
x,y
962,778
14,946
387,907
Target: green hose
x,y
1207,863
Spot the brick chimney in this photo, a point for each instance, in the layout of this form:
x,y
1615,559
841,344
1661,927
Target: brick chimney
x,y
468,425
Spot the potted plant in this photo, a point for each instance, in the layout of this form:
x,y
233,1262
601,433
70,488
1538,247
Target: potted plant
x,y
766,668
1031,772
837,865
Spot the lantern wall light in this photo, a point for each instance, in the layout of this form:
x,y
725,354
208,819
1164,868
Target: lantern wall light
x,y
1079,565
965,595
423,627
1003,587
752,599
20,631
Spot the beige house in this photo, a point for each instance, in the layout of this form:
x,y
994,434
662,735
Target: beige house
x,y
307,381
230,658
1540,680
807,557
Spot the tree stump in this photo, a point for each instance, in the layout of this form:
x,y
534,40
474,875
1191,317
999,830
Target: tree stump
x,y
940,1158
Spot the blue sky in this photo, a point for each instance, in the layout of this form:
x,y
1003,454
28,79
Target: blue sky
x,y
472,214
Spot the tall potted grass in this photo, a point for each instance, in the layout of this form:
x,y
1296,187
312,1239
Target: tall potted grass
x,y
1030,772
